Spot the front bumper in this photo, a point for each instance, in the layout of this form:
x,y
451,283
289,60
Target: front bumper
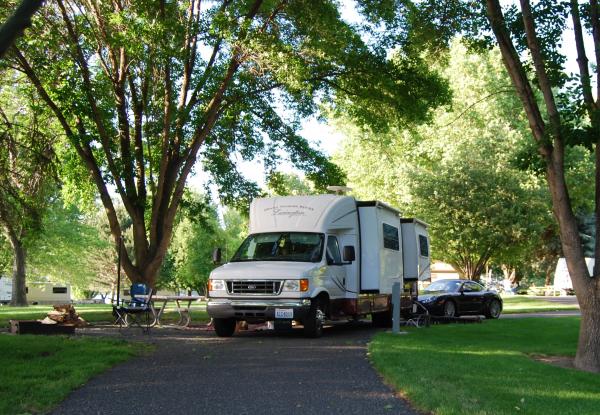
x,y
263,310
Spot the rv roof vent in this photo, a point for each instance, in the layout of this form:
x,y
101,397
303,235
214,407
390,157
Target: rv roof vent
x,y
339,190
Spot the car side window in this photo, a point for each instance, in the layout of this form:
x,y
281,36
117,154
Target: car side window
x,y
333,250
471,287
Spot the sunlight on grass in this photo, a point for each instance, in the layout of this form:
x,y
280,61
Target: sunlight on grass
x,y
486,368
523,304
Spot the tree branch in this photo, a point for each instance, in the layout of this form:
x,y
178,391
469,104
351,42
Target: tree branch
x,y
17,23
582,59
517,74
539,64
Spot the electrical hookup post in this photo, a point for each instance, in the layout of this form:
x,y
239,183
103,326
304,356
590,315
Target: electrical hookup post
x,y
396,298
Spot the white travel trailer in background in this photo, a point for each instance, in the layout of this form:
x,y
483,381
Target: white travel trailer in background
x,y
562,278
37,292
311,258
5,290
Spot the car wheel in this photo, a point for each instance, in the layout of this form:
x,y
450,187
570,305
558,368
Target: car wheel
x,y
450,309
313,324
224,327
494,308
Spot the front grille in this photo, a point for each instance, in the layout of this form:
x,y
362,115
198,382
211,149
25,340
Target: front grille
x,y
254,287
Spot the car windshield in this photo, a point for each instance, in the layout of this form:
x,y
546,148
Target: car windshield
x,y
288,246
443,286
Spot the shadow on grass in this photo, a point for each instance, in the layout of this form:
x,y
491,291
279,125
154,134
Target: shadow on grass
x,y
486,369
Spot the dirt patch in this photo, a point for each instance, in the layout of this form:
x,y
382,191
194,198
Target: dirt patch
x,y
567,362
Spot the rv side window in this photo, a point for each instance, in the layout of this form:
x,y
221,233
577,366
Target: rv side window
x,y
390,237
59,290
333,250
423,246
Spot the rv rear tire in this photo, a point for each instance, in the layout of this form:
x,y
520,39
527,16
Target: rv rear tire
x,y
382,319
224,327
313,323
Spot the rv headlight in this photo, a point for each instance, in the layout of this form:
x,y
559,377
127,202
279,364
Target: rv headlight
x,y
296,285
216,285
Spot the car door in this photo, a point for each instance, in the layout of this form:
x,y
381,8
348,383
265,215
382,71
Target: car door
x,y
472,297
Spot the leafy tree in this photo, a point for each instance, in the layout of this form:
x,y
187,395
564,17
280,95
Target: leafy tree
x,y
27,175
288,184
142,90
562,110
480,208
235,230
5,257
477,214
196,235
70,249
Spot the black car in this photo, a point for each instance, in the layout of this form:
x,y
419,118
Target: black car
x,y
453,298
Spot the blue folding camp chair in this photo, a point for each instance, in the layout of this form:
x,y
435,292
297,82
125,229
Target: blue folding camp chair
x,y
137,310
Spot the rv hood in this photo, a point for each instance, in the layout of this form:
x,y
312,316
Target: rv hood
x,y
263,269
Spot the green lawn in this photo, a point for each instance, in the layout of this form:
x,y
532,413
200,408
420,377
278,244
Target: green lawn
x,y
92,313
523,304
37,372
486,369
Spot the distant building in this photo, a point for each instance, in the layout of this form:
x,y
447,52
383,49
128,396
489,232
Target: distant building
x,y
443,271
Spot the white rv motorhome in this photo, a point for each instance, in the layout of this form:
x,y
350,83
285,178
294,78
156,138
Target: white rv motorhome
x,y
312,258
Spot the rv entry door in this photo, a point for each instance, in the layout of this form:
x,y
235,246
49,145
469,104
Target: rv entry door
x,y
336,271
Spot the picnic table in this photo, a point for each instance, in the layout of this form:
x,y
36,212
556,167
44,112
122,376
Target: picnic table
x,y
182,302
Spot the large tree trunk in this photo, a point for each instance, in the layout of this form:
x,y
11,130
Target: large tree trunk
x,y
550,142
19,290
588,348
587,289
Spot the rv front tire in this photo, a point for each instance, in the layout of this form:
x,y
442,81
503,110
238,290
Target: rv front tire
x,y
224,327
313,324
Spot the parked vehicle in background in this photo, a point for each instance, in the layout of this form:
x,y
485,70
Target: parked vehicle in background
x,y
5,289
453,298
314,258
37,292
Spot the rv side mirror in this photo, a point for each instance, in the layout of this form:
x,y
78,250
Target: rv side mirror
x,y
349,254
216,256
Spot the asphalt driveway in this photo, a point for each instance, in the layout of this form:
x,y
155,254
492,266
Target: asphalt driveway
x,y
194,372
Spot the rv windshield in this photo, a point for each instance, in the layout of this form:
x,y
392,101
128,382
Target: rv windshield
x,y
289,246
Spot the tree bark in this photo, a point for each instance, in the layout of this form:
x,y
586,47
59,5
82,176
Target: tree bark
x,y
17,23
19,290
588,347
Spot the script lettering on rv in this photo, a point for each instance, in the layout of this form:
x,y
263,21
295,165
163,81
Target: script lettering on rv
x,y
289,210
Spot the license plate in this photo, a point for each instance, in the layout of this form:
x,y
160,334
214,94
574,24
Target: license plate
x,y
284,313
